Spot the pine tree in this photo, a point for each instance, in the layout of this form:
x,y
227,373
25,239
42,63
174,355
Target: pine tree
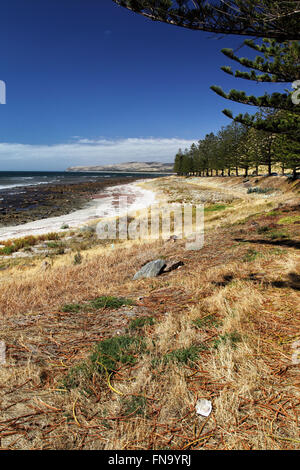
x,y
257,18
228,147
193,157
280,63
251,150
187,164
208,148
245,153
289,152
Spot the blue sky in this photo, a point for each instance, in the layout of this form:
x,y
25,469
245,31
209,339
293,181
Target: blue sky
x,y
89,82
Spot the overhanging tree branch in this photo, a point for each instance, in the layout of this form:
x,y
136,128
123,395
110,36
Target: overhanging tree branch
x,y
257,18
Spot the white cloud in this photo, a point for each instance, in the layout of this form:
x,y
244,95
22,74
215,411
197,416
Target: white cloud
x,y
89,152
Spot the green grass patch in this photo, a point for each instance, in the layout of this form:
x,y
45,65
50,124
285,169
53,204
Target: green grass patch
x,y
72,308
289,220
277,234
105,358
228,338
79,376
215,207
251,255
109,353
205,322
184,355
138,323
263,229
53,245
110,302
136,405
97,303
7,250
273,213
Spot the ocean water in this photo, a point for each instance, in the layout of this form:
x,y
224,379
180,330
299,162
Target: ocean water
x,y
15,179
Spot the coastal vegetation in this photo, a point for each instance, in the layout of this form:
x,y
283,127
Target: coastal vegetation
x,y
269,138
238,150
11,246
97,360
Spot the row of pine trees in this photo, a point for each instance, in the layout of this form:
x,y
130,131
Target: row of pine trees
x,y
237,149
271,136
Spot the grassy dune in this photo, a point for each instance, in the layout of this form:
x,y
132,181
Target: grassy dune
x,y
96,360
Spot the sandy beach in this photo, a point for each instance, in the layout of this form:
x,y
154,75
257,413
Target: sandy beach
x,y
105,204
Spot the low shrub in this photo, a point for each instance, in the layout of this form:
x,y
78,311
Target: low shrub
x,y
13,245
259,190
77,258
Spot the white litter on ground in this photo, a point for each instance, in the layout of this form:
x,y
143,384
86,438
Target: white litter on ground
x,y
203,407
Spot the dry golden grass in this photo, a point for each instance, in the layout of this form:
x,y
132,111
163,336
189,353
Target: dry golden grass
x,y
241,311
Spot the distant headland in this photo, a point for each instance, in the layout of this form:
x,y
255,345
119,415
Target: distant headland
x,y
128,167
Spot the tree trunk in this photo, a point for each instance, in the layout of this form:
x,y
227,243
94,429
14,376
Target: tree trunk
x,y
269,169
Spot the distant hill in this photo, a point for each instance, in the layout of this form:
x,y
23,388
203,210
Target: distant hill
x,y
128,167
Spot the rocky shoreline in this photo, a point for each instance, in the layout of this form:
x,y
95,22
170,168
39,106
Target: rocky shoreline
x,y
29,203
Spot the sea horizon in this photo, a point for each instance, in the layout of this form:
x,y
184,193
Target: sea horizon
x,y
22,178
